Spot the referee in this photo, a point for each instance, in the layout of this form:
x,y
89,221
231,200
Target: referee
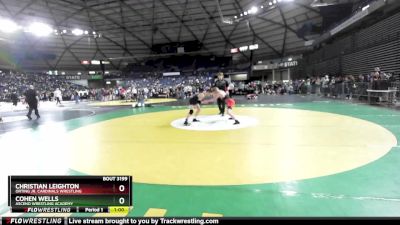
x,y
32,99
221,84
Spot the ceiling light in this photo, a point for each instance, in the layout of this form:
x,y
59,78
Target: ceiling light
x,y
40,29
77,32
253,10
365,7
8,26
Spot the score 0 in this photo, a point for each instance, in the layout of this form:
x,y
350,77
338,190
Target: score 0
x,y
122,189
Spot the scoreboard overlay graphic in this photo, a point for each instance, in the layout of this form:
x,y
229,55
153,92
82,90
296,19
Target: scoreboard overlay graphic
x,y
69,194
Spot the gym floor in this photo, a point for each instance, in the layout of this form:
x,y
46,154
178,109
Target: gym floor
x,y
291,156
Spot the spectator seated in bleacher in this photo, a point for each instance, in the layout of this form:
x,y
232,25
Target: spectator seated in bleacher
x,y
13,85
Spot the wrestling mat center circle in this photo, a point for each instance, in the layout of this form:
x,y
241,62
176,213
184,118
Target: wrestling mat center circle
x,y
215,123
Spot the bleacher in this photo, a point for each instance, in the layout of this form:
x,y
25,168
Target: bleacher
x,y
358,52
385,56
386,29
325,67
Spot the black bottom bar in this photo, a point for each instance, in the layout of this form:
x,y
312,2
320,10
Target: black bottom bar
x,y
180,220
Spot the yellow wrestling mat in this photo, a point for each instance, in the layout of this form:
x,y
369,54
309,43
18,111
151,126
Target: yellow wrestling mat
x,y
286,144
124,103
